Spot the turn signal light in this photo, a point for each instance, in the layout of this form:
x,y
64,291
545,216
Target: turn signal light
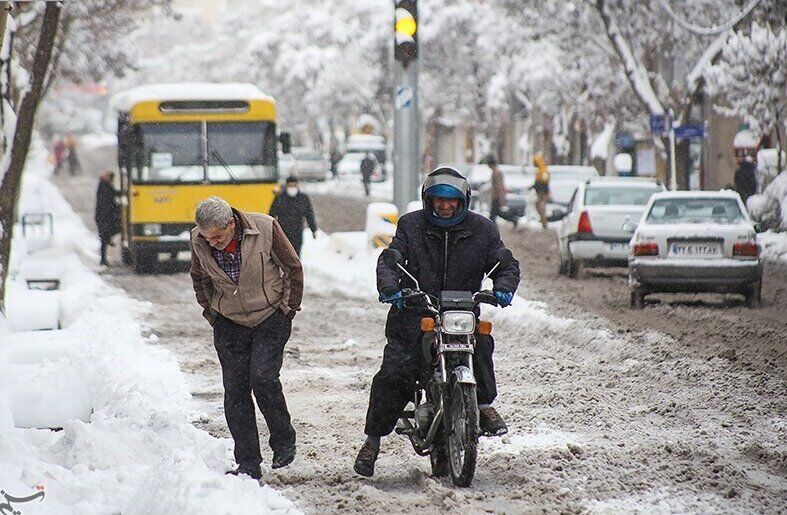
x,y
646,249
427,324
584,224
483,327
747,249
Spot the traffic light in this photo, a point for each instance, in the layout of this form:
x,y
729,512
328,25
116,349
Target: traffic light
x,y
406,31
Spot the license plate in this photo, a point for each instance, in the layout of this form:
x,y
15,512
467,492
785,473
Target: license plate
x,y
618,247
701,249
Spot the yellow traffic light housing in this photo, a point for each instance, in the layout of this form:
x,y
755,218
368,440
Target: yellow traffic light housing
x,y
406,31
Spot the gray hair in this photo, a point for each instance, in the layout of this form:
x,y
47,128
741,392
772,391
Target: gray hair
x,y
213,212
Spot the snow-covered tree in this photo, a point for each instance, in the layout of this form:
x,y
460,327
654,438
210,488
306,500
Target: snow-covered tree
x,y
751,76
83,39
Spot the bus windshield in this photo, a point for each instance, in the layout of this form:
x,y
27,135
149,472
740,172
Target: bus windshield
x,y
241,152
235,152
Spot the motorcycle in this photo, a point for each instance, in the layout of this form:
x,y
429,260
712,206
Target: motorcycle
x,y
444,422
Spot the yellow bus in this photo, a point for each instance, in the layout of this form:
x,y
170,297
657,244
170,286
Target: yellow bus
x,y
181,143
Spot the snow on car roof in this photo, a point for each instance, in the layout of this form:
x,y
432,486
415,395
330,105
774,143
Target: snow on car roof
x,y
125,100
696,194
641,182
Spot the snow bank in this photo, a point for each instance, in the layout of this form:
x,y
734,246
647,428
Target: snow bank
x,y
126,444
770,206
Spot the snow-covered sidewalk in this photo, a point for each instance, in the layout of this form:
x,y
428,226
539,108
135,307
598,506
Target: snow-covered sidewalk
x,y
126,444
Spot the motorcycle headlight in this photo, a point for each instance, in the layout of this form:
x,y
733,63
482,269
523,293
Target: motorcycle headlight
x,y
151,229
458,322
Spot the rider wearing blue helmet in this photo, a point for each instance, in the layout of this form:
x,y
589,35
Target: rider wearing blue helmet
x,y
445,247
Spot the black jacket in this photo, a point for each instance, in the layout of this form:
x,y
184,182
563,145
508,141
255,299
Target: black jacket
x,y
291,211
367,169
107,211
745,180
455,258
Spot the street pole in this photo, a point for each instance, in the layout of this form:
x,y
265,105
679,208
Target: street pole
x,y
407,174
673,180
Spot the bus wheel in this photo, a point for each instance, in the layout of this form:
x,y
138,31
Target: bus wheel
x,y
144,263
125,255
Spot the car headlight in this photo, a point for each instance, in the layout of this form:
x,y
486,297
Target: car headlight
x,y
151,229
459,322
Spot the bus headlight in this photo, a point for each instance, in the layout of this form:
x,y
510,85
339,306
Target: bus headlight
x,y
151,229
459,322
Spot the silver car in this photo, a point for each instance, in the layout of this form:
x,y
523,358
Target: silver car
x,y
695,241
310,164
592,232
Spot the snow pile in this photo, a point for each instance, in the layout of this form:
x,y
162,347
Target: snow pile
x,y
773,245
126,443
770,207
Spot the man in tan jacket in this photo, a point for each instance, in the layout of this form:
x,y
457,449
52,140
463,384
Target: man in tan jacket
x,y
249,281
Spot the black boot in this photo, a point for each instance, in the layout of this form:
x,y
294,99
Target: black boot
x,y
492,424
253,471
364,463
284,457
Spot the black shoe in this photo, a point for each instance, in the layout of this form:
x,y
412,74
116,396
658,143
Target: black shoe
x,y
284,457
364,463
492,424
253,471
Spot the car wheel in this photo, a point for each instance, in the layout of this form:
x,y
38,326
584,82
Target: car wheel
x,y
573,267
637,300
754,295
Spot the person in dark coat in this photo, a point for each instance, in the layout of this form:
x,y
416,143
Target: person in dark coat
x,y
745,179
445,247
107,212
290,208
367,169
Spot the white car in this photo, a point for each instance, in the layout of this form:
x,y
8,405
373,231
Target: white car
x,y
695,241
592,232
310,164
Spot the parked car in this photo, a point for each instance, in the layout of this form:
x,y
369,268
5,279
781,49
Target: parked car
x,y
287,166
692,241
350,166
592,231
311,165
563,182
517,182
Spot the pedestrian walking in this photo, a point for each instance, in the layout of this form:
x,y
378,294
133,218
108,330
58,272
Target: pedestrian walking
x,y
107,213
745,178
60,154
249,281
335,158
290,208
541,186
368,164
498,193
71,155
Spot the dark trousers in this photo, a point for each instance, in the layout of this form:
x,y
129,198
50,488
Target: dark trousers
x,y
296,239
251,358
394,384
104,245
367,187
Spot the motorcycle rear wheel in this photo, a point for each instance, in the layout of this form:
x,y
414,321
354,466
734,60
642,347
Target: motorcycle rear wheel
x,y
462,430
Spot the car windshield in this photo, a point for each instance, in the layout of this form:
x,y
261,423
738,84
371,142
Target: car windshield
x,y
618,195
695,210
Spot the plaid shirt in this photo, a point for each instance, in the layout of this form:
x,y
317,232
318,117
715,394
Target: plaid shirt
x,y
230,262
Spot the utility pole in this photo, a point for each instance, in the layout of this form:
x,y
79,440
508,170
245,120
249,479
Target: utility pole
x,y
407,170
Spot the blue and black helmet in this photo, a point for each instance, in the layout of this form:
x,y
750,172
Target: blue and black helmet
x,y
445,182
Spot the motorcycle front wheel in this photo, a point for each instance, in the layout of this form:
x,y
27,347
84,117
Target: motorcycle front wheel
x,y
462,430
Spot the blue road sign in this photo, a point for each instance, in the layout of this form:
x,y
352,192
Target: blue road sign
x,y
690,131
660,124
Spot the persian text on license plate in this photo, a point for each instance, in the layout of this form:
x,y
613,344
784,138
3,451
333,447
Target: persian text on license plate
x,y
618,247
709,249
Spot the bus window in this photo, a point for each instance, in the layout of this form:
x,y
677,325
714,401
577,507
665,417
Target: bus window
x,y
241,151
172,153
